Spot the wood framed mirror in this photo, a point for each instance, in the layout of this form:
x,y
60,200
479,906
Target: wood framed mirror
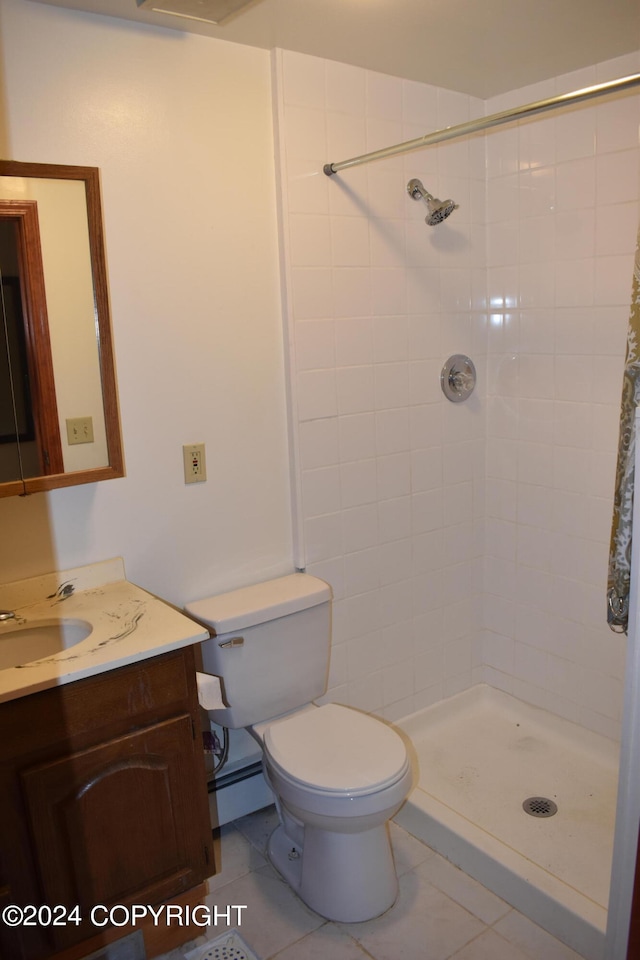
x,y
59,422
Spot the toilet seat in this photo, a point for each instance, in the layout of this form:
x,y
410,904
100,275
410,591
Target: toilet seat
x,y
335,751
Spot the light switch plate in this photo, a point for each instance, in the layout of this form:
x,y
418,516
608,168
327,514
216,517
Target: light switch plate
x,y
80,430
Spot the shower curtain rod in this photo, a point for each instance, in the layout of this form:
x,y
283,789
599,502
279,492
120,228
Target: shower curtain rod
x,y
494,120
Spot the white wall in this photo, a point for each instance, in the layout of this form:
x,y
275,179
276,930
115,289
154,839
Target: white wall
x,y
391,497
562,217
392,504
394,509
180,127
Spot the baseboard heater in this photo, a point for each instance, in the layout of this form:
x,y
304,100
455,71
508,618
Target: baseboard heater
x,y
235,776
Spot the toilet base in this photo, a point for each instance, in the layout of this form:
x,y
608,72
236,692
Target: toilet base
x,y
349,877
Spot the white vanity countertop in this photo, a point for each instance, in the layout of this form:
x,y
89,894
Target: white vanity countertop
x,y
129,624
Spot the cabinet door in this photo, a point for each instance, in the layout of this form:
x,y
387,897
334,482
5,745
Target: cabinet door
x,y
118,823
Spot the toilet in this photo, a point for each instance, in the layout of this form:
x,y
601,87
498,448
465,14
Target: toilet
x,y
337,775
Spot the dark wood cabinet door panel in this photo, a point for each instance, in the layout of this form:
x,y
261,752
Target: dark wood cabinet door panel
x,y
119,822
102,801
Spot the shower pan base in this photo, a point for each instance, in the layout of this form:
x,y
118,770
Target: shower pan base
x,y
482,753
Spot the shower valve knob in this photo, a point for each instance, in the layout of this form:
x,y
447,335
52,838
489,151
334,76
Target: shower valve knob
x,y
458,378
461,382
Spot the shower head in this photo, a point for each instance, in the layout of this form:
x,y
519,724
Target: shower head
x,y
439,210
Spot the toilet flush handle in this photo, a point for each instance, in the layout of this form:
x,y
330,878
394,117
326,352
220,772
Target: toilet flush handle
x,y
234,642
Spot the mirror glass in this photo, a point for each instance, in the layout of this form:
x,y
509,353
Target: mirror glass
x,y
59,420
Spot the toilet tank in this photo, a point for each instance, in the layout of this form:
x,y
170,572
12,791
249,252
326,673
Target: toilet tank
x,y
270,646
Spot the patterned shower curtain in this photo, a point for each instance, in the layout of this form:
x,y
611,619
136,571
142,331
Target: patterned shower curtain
x,y
621,528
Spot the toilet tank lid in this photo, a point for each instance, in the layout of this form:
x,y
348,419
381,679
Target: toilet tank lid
x,y
260,602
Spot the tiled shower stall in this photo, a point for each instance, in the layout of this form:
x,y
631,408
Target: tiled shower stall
x,y
465,543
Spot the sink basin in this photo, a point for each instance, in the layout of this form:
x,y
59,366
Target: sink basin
x,y
37,639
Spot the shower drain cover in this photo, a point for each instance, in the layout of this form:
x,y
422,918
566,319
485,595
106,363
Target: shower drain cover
x,y
539,807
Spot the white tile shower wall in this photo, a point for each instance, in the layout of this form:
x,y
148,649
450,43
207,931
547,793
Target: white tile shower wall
x,y
464,543
562,216
391,475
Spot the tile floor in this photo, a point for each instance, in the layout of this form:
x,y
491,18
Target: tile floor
x,y
440,914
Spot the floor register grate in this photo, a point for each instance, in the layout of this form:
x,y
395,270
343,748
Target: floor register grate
x,y
229,946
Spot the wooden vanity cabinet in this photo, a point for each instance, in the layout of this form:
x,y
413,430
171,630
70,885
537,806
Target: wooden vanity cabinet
x,y
103,798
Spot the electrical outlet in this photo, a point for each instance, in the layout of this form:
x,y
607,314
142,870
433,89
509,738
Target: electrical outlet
x,y
195,468
80,430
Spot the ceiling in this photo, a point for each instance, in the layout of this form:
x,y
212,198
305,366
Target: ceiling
x,y
479,47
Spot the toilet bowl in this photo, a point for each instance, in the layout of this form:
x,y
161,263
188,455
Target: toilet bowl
x,y
337,774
